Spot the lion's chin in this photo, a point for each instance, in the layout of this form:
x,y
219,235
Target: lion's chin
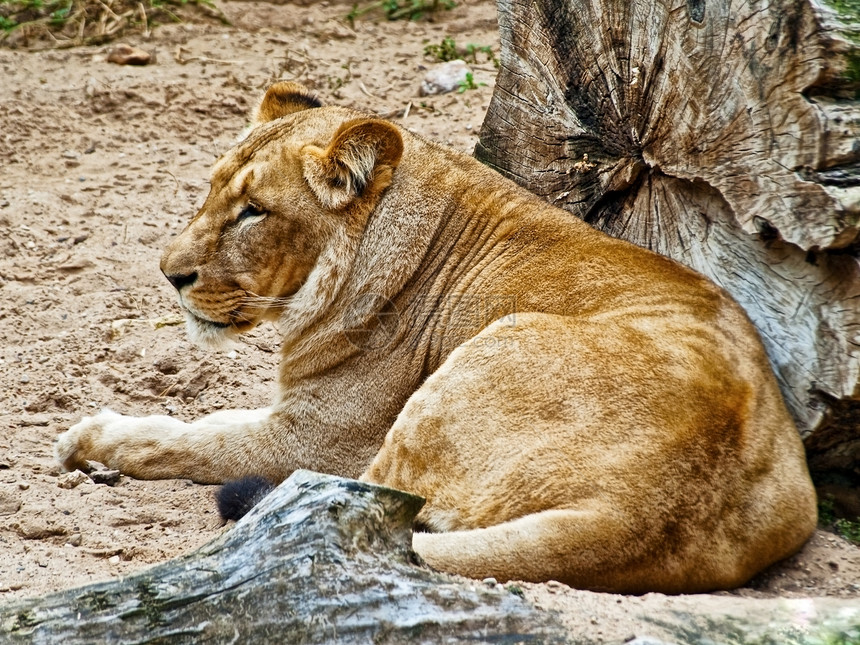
x,y
208,335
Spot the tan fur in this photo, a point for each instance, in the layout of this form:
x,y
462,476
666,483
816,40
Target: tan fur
x,y
572,407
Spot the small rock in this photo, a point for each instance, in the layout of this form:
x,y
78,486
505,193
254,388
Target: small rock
x,y
336,30
168,365
114,559
72,479
37,529
490,582
107,477
75,539
554,586
24,486
33,419
94,465
70,154
25,379
443,78
124,54
10,503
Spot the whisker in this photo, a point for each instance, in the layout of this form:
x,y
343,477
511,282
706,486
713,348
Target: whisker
x,y
254,299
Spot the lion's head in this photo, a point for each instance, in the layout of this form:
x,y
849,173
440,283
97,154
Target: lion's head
x,y
283,217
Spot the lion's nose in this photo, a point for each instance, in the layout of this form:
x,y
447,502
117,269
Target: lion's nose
x,y
180,281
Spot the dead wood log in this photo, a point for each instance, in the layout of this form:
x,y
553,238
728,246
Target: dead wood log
x,y
321,559
722,133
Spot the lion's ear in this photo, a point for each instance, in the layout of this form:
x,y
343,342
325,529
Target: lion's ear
x,y
282,99
361,157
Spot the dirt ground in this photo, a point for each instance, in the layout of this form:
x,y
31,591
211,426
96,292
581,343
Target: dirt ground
x,y
100,165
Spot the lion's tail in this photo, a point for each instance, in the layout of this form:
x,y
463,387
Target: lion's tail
x,y
583,549
236,498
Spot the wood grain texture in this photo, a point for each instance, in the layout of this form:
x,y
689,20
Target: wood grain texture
x,y
725,134
320,560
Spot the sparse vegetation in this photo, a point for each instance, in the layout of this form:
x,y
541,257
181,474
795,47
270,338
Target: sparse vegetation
x,y
14,13
337,82
516,590
827,519
448,50
468,84
444,51
848,529
67,23
400,9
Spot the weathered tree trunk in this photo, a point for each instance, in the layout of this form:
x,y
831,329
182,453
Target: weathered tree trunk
x,y
322,559
328,560
722,133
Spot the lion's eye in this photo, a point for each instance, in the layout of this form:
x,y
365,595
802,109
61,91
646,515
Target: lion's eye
x,y
251,210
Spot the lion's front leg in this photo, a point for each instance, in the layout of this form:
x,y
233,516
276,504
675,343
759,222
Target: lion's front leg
x,y
222,446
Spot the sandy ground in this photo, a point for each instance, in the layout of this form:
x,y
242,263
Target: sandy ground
x,y
100,165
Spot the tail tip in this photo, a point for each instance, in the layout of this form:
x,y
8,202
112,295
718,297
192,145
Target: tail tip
x,y
236,498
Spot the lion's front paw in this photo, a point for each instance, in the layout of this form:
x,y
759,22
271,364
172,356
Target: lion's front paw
x,y
82,442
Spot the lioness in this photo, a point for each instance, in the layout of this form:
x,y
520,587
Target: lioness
x,y
571,406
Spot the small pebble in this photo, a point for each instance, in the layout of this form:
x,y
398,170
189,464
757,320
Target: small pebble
x,y
114,559
107,477
75,539
94,465
124,54
72,479
490,582
9,503
443,78
168,365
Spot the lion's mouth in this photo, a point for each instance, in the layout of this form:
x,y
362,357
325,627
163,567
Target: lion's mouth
x,y
205,321
220,325
235,326
194,319
209,334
